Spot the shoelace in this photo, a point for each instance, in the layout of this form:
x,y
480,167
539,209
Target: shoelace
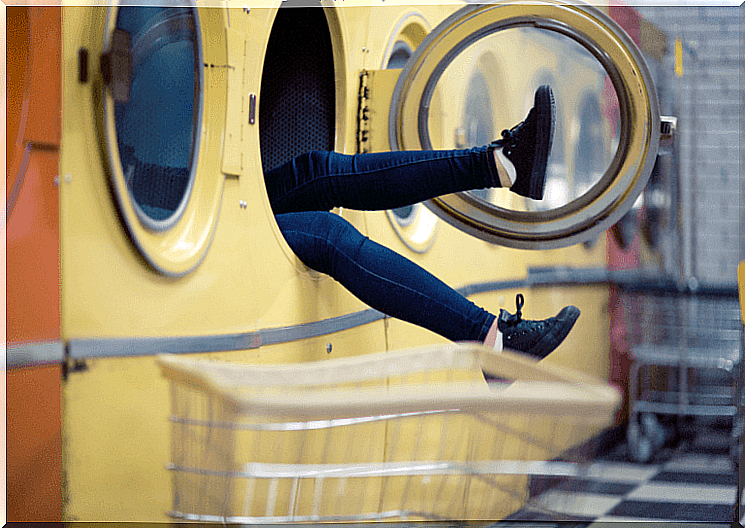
x,y
513,320
510,137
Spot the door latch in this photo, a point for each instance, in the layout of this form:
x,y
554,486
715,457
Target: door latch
x,y
116,66
668,128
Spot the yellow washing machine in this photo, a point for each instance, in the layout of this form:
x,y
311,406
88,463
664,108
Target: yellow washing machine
x,y
168,242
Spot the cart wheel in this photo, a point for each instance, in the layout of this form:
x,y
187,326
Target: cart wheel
x,y
639,446
645,437
660,433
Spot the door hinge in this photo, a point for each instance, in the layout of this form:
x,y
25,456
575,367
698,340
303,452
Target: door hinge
x,y
363,114
73,365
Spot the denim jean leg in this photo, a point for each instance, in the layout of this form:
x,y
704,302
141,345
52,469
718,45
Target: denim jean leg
x,y
382,278
320,180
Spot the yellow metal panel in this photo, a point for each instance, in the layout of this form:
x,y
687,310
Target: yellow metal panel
x,y
215,49
117,430
116,442
95,248
402,21
247,265
364,339
235,119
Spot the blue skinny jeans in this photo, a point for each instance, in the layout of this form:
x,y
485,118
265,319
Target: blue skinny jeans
x,y
305,189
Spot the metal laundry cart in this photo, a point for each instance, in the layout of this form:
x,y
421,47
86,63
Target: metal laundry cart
x,y
415,434
740,452
687,356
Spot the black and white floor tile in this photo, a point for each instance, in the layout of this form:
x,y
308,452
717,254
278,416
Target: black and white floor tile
x,y
694,482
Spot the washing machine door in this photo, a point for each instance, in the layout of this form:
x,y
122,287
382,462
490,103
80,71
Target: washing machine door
x,y
609,146
152,108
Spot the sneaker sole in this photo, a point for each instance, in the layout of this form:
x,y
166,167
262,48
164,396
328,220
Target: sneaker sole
x,y
548,344
546,118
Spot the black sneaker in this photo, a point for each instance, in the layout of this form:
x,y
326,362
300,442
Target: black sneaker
x,y
536,338
528,144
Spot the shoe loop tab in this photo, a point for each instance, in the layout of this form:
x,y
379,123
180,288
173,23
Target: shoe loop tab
x,y
520,301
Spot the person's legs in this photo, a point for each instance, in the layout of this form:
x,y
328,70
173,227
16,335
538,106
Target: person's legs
x,y
394,285
303,191
320,180
382,278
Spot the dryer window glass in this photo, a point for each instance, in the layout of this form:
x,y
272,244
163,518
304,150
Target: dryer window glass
x,y
157,117
500,94
478,126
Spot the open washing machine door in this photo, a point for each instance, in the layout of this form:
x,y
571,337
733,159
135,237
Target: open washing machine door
x,y
607,114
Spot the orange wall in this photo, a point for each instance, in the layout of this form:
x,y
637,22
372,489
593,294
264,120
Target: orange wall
x,y
34,444
33,255
34,439
33,221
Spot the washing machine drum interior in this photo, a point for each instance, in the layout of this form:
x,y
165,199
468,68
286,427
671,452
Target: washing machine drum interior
x,y
156,116
297,106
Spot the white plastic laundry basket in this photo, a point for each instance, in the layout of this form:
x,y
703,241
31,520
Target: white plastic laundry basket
x,y
408,434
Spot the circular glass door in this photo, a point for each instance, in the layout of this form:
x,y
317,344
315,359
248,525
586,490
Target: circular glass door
x,y
157,109
153,105
607,116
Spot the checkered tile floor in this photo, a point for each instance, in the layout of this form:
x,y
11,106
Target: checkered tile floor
x,y
693,482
